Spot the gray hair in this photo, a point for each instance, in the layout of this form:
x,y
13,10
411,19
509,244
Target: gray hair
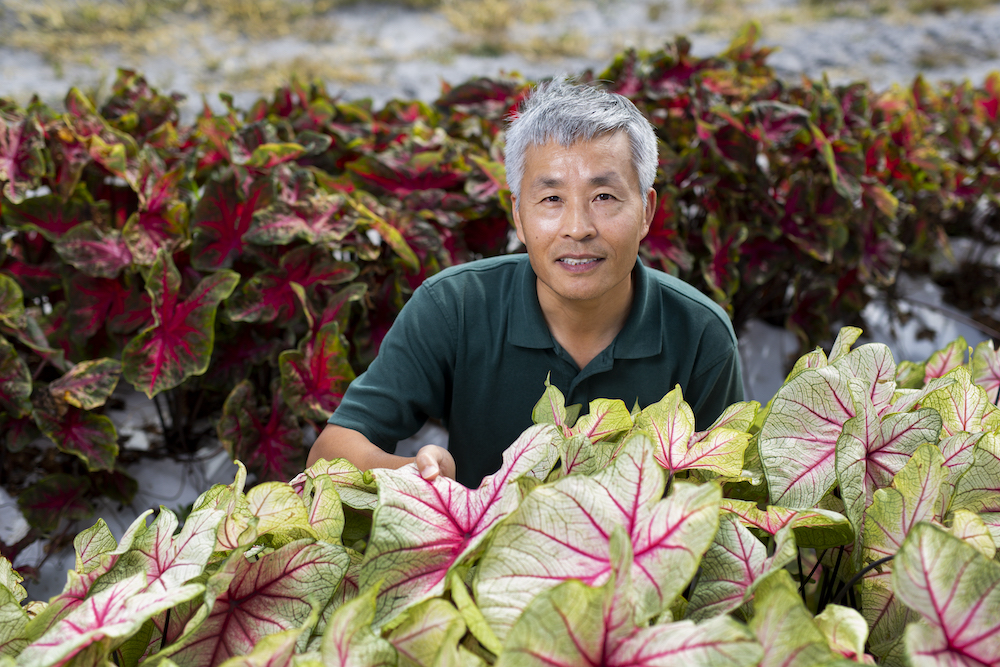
x,y
567,112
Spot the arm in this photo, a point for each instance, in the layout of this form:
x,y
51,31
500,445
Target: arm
x,y
337,442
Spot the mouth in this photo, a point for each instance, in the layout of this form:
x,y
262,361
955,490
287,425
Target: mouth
x,y
582,261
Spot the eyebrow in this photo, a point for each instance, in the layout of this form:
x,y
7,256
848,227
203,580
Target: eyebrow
x,y
607,178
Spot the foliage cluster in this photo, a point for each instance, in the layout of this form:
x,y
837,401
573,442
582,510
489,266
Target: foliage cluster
x,y
241,269
625,539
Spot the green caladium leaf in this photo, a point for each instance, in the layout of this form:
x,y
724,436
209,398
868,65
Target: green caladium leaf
x,y
326,513
971,529
734,565
424,528
978,489
15,381
108,617
429,629
11,580
959,453
276,650
392,236
349,640
913,497
578,455
88,384
276,593
846,631
670,424
13,623
356,488
963,405
784,626
605,419
179,342
566,526
268,155
315,376
95,251
473,617
239,528
813,529
957,592
551,408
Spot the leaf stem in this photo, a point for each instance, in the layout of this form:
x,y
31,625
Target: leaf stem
x,y
670,481
163,423
166,627
856,578
802,580
819,561
828,589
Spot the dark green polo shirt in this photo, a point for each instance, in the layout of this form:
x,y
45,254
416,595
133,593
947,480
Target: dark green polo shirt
x,y
472,349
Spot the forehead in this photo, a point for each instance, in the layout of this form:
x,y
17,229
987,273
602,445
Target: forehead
x,y
606,154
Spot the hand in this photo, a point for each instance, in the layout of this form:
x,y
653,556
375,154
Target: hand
x,y
433,461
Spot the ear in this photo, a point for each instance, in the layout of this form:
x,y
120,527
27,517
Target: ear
x,y
650,211
517,219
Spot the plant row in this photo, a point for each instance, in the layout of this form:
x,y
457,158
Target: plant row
x,y
851,520
239,270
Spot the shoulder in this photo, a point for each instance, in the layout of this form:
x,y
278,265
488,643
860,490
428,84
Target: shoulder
x,y
684,304
477,278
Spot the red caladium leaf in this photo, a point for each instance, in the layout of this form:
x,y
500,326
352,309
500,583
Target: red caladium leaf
x,y
957,592
22,154
268,441
46,502
109,147
269,295
219,222
179,342
88,384
302,212
88,435
94,251
49,215
315,376
161,221
422,529
99,302
262,598
15,382
400,171
18,432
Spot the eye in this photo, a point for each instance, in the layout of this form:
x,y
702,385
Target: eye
x,y
604,196
553,198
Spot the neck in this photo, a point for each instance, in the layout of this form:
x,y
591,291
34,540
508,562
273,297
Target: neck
x,y
585,328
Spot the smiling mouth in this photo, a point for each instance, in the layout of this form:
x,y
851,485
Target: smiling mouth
x,y
579,262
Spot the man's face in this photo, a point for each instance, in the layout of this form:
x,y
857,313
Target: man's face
x,y
581,217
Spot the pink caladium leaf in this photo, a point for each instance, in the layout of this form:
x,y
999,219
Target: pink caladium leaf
x,y
957,592
22,154
88,384
946,360
220,219
986,369
110,615
566,527
267,439
97,252
577,624
15,382
733,566
274,594
269,296
88,435
422,529
179,342
315,376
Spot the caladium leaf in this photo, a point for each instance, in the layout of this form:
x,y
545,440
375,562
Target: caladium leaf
x,y
784,626
315,376
109,615
845,630
986,369
13,621
326,514
968,527
959,452
551,408
88,435
946,360
355,488
264,597
733,566
88,384
239,528
161,221
96,303
605,419
428,630
179,342
813,528
15,382
11,580
220,220
957,592
268,441
22,154
566,526
97,252
471,614
349,640
422,529
978,489
962,404
277,650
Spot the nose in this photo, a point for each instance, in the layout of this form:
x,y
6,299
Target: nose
x,y
578,222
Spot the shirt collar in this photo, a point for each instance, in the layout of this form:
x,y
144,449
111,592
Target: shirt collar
x,y
527,328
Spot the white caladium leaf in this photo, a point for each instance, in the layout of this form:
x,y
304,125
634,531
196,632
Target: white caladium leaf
x,y
846,631
575,624
737,417
274,594
813,528
733,565
913,497
350,641
239,528
986,369
992,522
355,488
276,650
846,338
422,528
958,451
670,424
784,626
326,513
551,409
279,511
473,617
11,580
971,529
561,532
605,418
978,489
582,457
13,624
962,404
946,359
957,592
114,613
430,628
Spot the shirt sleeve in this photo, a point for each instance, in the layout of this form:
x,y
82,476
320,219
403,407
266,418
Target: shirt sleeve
x,y
410,378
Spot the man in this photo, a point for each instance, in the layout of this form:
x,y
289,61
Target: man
x,y
475,344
